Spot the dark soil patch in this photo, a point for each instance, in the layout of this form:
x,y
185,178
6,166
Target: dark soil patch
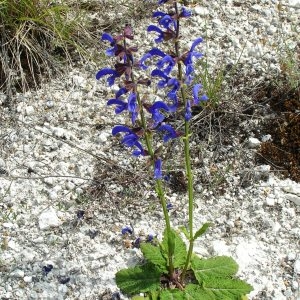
x,y
283,151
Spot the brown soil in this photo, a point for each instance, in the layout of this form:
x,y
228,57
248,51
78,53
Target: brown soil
x,y
283,151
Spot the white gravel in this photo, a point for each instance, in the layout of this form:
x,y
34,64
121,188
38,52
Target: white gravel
x,y
51,143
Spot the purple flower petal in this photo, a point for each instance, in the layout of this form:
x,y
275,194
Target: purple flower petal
x,y
188,111
107,37
156,29
121,92
171,133
196,43
157,169
107,71
185,13
127,229
121,105
120,128
132,105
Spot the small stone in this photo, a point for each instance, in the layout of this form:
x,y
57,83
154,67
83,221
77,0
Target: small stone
x,y
29,110
49,219
253,142
266,138
27,279
49,104
201,11
297,266
18,273
270,201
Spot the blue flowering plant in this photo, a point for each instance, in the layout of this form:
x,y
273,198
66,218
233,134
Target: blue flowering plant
x,y
170,270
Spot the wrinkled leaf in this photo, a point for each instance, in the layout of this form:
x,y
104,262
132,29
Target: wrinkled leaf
x,y
153,254
180,253
172,295
220,266
138,279
227,288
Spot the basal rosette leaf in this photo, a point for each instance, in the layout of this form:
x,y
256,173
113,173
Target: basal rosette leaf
x,y
218,289
179,251
138,279
197,292
220,266
227,288
153,255
172,295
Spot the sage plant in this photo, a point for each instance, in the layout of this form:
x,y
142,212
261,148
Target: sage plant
x,y
170,270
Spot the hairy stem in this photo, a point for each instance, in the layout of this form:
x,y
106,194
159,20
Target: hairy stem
x,y
159,187
188,167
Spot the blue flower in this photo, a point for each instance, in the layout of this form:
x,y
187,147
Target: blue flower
x,y
121,105
171,133
188,59
162,83
169,206
176,86
109,38
46,269
162,1
157,116
185,13
121,92
132,107
160,37
197,87
157,169
167,22
188,111
137,243
107,71
130,139
127,229
150,238
166,60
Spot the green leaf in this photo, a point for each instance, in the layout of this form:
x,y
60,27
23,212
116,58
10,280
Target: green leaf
x,y
220,266
138,297
202,230
153,254
138,279
179,253
184,231
218,289
227,288
172,295
196,292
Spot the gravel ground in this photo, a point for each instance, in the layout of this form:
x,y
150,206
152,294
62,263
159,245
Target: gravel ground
x,y
67,187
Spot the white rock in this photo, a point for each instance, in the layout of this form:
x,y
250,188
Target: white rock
x,y
79,80
293,189
266,138
2,163
220,248
49,103
201,11
297,266
270,201
293,198
29,110
18,273
27,279
253,142
49,219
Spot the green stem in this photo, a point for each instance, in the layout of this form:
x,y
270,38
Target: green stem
x,y
159,186
188,167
